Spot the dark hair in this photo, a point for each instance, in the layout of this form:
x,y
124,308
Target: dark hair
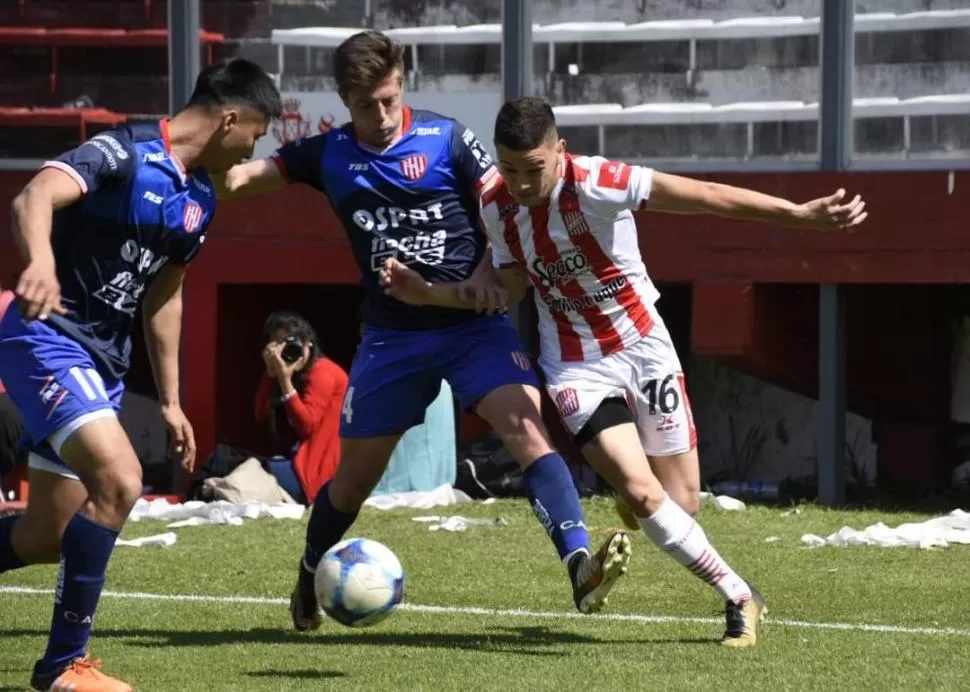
x,y
524,123
365,59
291,324
238,82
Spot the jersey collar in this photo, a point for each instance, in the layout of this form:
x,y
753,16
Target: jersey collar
x,y
167,143
405,128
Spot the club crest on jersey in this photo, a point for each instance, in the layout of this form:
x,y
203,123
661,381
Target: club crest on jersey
x,y
414,166
567,401
576,223
192,217
522,360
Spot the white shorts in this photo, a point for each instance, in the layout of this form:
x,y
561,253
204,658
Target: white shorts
x,y
648,375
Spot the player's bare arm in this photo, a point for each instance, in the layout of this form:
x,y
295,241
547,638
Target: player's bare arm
x,y
249,178
679,195
162,318
515,282
406,285
38,290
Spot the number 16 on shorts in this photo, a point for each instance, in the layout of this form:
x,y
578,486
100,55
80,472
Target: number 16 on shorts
x,y
664,416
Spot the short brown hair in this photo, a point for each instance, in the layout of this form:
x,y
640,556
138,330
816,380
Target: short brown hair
x,y
366,59
524,123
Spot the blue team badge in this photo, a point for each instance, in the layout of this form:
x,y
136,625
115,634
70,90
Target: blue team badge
x,y
413,167
192,216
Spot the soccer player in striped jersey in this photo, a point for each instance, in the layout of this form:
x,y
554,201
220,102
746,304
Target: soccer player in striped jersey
x,y
564,224
405,184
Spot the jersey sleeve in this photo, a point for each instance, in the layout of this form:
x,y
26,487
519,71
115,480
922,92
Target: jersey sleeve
x,y
105,158
188,243
473,164
188,248
613,186
301,161
502,257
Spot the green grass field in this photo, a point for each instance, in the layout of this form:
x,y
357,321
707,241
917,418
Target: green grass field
x,y
490,608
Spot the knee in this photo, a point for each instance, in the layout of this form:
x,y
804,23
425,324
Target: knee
x,y
645,496
689,499
116,491
523,433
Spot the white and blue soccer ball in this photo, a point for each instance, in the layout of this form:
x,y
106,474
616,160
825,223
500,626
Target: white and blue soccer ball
x,y
359,582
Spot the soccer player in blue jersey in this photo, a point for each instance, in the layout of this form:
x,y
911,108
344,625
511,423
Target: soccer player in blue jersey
x,y
405,185
103,230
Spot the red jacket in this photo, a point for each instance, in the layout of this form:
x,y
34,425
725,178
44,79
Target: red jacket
x,y
315,418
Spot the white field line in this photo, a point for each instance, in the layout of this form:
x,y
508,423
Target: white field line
x,y
516,613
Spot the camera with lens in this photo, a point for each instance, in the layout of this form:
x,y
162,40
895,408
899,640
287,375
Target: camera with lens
x,y
292,350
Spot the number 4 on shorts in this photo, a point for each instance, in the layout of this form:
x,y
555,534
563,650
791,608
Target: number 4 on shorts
x,y
663,395
348,409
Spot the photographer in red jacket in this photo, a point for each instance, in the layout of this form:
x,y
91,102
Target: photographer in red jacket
x,y
309,388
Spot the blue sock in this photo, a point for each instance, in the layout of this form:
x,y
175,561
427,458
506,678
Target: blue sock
x,y
85,551
8,556
327,526
555,502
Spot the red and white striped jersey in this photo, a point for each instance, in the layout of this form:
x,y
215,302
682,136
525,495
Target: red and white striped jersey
x,y
592,290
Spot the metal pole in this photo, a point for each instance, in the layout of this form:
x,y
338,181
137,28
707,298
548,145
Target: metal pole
x,y
184,65
184,51
517,73
516,48
835,130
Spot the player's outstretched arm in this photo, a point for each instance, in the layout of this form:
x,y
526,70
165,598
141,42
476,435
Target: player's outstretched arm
x,y
403,283
33,211
162,319
679,195
249,178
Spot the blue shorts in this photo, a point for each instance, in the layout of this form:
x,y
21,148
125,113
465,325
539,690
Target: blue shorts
x,y
397,373
53,382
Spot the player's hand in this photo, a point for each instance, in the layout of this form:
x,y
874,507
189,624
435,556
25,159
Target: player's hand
x,y
38,292
403,283
484,291
182,437
833,212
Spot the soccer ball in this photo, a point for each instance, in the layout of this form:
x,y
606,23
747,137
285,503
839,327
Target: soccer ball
x,y
359,582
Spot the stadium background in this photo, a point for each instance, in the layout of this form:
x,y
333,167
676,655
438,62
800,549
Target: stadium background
x,y
742,299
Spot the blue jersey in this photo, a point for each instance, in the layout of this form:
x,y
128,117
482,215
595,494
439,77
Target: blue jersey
x,y
417,201
140,211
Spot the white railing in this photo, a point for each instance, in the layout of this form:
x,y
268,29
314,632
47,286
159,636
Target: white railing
x,y
603,115
671,30
690,30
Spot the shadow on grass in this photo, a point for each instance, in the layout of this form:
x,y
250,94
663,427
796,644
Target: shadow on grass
x,y
524,641
297,674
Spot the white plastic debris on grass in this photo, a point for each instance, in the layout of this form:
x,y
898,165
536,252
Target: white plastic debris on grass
x,y
162,540
722,502
197,513
442,496
940,532
458,523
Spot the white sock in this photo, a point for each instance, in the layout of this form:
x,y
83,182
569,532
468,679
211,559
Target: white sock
x,y
674,531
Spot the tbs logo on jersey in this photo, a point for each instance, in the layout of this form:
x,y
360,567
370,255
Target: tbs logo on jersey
x,y
192,216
